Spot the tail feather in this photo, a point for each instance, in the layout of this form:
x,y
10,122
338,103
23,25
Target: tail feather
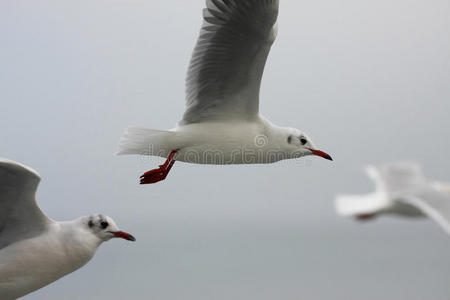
x,y
143,141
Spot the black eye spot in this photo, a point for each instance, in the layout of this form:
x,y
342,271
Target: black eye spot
x,y
303,141
90,224
289,140
104,224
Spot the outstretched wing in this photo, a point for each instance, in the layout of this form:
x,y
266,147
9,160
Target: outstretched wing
x,y
434,203
227,64
20,217
396,177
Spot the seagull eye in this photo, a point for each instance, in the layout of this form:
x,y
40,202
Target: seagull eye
x,y
303,141
104,224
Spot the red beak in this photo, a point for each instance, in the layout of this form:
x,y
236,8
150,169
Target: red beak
x,y
320,153
123,235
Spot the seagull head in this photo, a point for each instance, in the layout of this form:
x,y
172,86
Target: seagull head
x,y
105,228
299,144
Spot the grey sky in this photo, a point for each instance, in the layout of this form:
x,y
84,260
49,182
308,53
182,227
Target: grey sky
x,y
367,80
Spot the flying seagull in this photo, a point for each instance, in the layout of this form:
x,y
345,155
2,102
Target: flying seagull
x,y
35,250
400,189
222,124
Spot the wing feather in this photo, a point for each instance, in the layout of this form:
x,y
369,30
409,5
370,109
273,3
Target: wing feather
x,y
20,216
227,64
435,204
396,177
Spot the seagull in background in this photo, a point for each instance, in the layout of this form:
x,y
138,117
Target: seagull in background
x,y
35,250
400,189
222,124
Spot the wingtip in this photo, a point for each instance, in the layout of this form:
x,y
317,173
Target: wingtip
x,y
9,163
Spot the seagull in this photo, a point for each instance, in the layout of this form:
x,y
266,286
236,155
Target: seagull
x,y
400,189
221,123
35,250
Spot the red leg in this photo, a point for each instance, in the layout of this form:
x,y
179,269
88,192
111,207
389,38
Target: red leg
x,y
160,173
170,166
169,159
366,217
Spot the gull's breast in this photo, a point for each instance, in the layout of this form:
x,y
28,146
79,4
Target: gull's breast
x,y
225,144
28,265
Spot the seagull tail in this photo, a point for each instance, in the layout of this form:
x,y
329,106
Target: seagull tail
x,y
143,141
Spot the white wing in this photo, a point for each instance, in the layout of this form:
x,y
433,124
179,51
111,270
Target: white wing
x,y
396,177
20,217
228,61
353,205
434,203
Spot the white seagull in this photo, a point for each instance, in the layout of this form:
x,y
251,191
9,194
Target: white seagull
x,y
222,124
400,189
34,250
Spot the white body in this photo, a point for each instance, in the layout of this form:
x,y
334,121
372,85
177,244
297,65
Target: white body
x,y
219,143
28,265
375,203
401,190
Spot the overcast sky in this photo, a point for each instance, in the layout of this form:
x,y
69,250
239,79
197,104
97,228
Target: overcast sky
x,y
367,80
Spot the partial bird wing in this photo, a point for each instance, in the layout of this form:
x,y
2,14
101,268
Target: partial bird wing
x,y
20,216
353,205
396,177
227,64
434,203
